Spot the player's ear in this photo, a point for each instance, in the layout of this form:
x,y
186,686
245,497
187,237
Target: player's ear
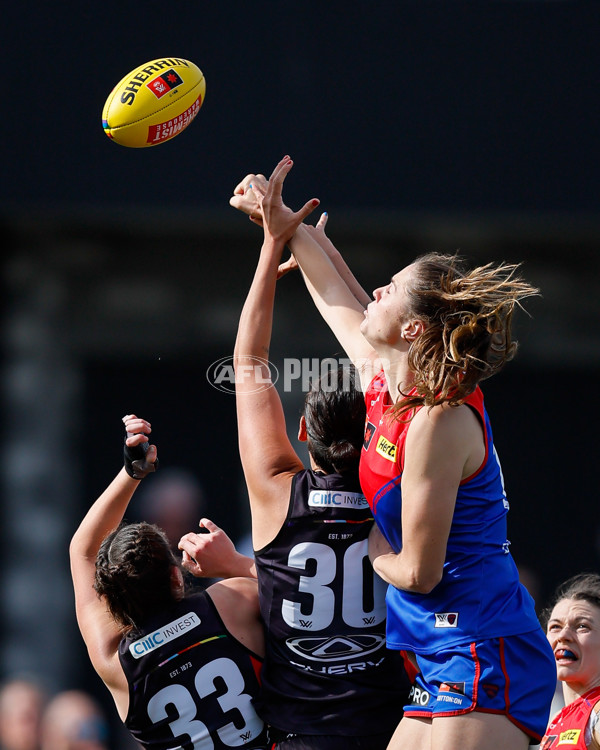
x,y
177,586
302,436
411,329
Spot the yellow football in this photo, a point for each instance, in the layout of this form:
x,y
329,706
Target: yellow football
x,y
154,103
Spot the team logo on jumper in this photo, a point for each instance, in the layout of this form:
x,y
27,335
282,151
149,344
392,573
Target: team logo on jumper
x,y
446,619
386,449
570,737
336,647
369,432
163,635
418,696
324,499
164,83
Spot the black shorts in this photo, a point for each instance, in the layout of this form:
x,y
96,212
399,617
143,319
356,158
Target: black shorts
x,y
284,741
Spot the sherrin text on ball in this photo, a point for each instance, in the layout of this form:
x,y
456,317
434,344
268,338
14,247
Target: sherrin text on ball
x,y
154,103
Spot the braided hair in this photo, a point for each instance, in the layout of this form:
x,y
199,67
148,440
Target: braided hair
x,y
133,572
468,316
335,413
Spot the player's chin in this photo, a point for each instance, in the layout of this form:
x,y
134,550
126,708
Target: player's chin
x,y
567,672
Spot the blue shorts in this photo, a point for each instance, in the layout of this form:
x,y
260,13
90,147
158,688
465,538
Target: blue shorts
x,y
514,676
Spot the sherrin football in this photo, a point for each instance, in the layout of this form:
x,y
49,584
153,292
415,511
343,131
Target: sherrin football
x,y
154,103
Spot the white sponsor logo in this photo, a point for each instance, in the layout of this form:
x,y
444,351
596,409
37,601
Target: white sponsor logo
x,y
163,635
418,697
446,619
336,647
321,499
449,699
338,669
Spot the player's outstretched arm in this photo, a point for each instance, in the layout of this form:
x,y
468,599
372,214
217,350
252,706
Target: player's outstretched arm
x,y
343,269
245,200
268,458
98,629
334,298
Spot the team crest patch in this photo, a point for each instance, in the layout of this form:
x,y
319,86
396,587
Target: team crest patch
x,y
164,83
446,620
386,449
369,432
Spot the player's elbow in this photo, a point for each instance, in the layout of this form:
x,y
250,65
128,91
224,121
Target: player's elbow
x,y
414,575
423,581
80,547
74,547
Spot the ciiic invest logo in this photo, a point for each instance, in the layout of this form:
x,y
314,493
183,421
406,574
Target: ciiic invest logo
x,y
257,374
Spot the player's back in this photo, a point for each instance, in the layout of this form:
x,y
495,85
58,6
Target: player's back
x,y
327,668
191,682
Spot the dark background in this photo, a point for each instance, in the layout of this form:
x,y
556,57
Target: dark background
x,y
469,126
458,106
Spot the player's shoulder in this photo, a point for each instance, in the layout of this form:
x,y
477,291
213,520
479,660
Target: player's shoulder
x,y
444,426
440,416
231,593
236,600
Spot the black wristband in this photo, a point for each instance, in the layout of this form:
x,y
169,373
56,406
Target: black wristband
x,y
135,461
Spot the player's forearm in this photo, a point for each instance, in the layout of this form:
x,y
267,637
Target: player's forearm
x,y
342,268
326,285
315,263
240,566
256,320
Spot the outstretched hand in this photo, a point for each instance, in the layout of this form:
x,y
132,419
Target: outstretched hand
x,y
212,554
244,196
279,221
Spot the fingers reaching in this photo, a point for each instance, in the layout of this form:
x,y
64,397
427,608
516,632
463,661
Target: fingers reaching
x,y
244,195
278,175
278,219
322,221
206,523
262,200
